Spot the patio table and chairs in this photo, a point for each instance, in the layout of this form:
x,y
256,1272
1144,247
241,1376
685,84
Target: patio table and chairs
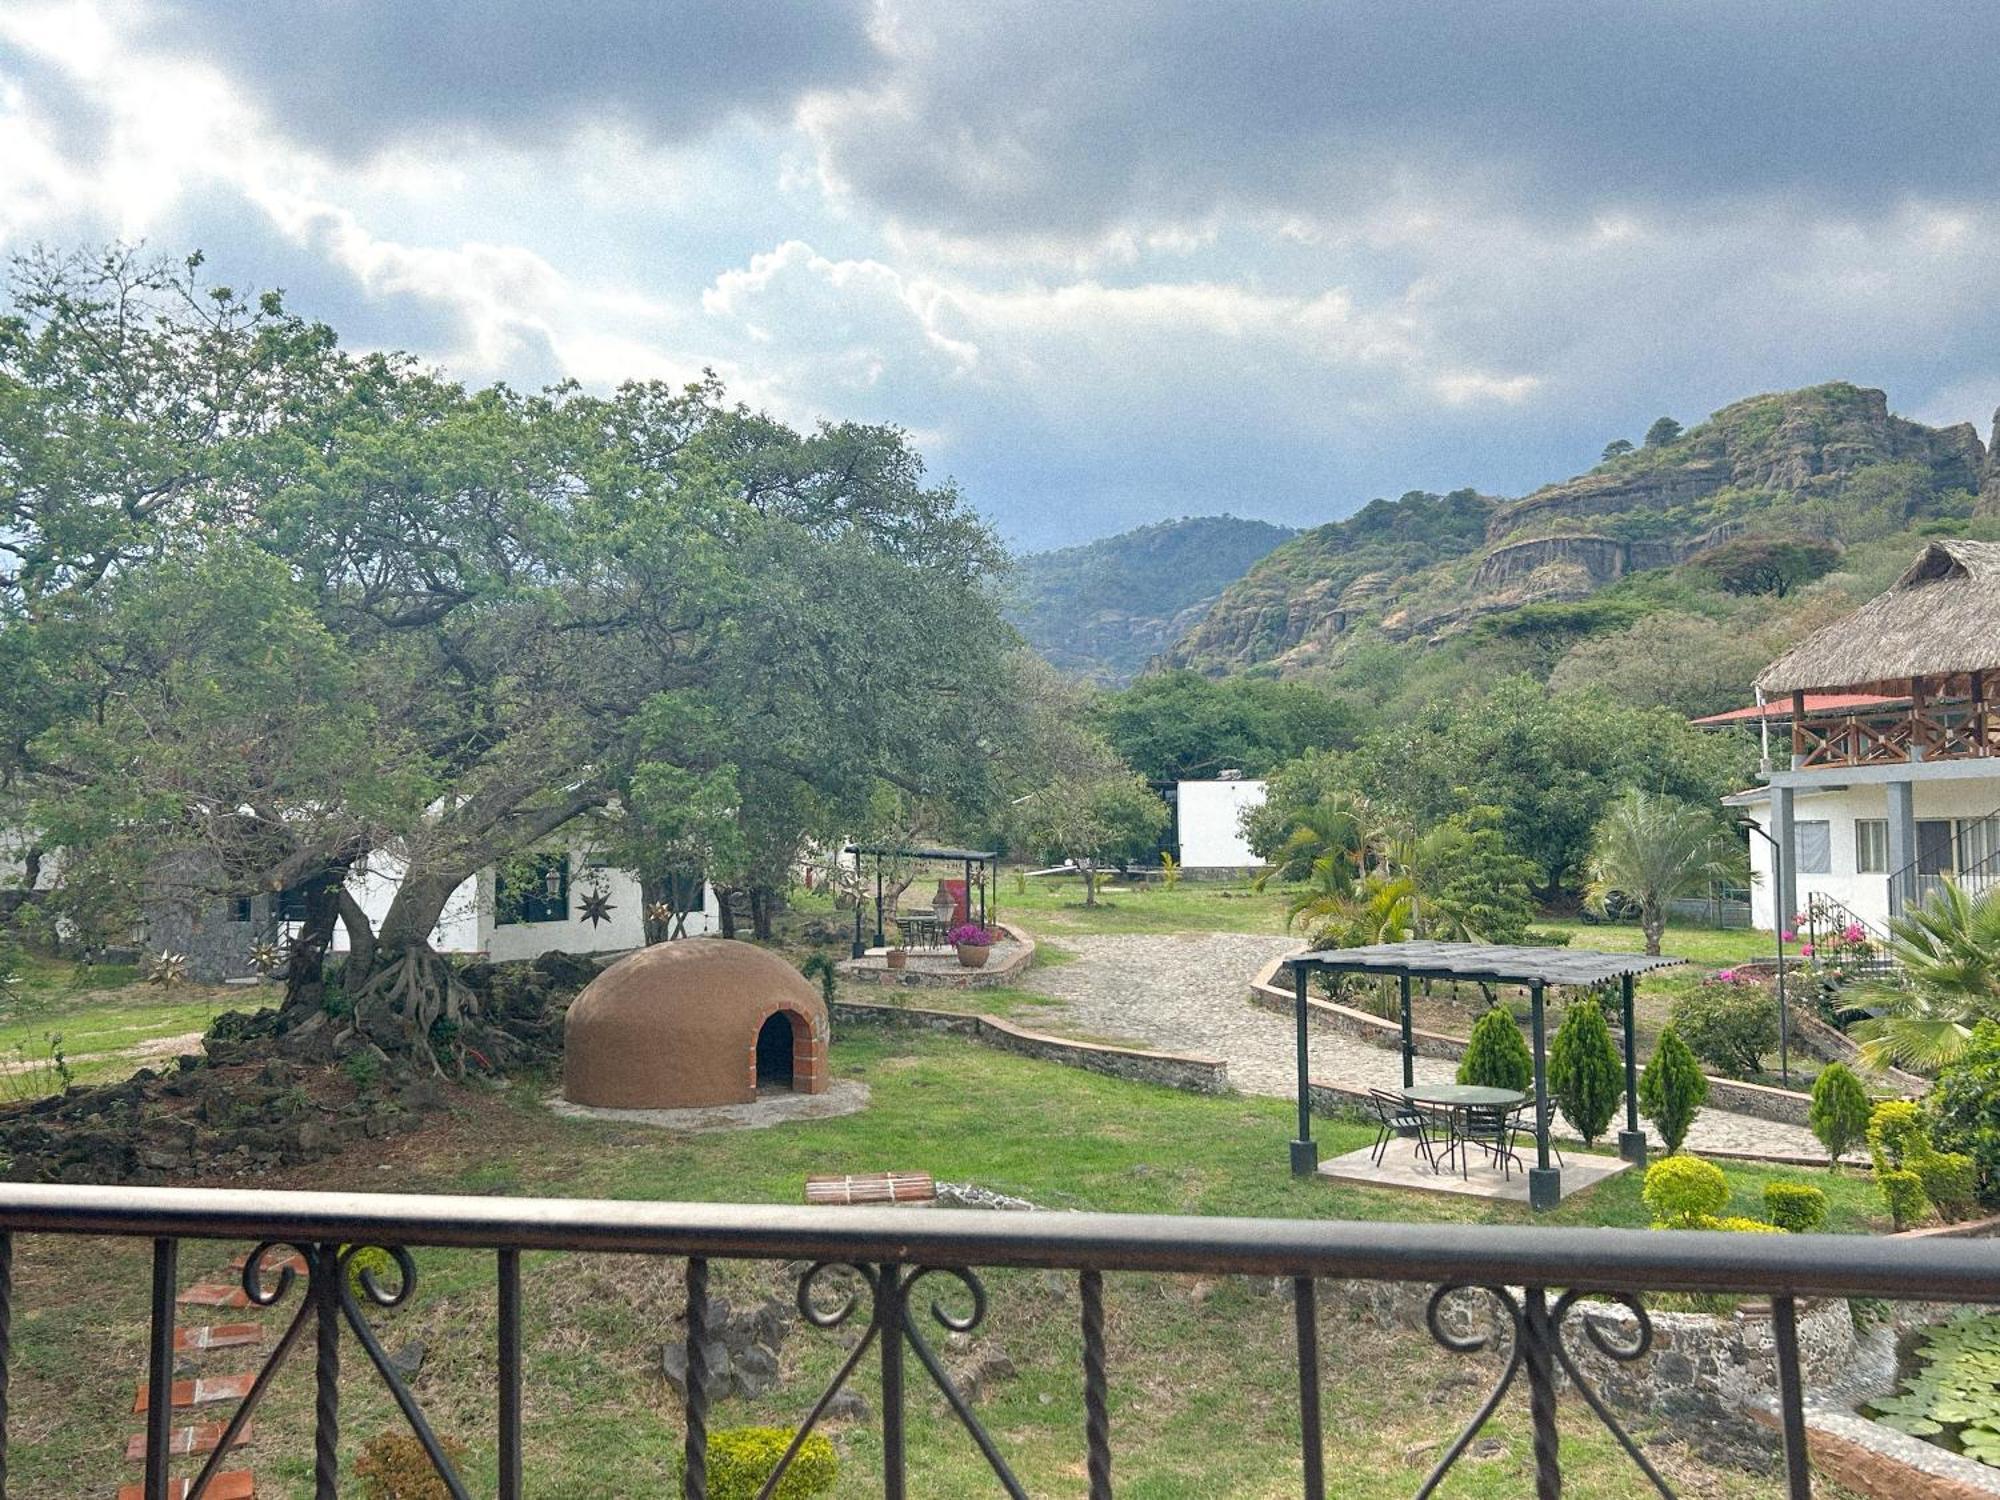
x,y
1473,1116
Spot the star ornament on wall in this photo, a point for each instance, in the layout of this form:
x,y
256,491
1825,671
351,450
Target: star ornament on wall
x,y
596,908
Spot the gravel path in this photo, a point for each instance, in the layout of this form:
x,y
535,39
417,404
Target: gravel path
x,y
1189,992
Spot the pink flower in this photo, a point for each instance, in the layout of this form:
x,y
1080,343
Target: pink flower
x,y
1853,933
1805,950
1727,976
1790,935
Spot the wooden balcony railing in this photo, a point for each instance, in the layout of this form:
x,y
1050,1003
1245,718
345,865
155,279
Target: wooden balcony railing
x,y
1936,731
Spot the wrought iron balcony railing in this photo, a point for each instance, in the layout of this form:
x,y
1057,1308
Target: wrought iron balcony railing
x,y
884,1261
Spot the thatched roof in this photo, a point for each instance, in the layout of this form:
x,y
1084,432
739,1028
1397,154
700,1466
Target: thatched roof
x,y
1940,619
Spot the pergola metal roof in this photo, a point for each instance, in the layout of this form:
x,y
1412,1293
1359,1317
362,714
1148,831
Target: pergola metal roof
x,y
1494,962
898,851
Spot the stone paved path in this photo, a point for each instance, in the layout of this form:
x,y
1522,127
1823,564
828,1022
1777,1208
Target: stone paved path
x,y
1189,992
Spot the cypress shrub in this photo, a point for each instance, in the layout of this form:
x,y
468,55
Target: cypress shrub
x,y
1585,1075
1795,1207
1495,1056
1840,1109
1672,1090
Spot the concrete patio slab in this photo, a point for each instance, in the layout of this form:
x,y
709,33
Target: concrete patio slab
x,y
1402,1168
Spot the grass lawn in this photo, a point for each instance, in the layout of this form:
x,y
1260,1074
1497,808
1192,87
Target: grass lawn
x,y
1203,1401
1055,906
109,1024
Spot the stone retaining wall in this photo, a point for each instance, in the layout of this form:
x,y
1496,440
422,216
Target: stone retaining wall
x,y
1197,1075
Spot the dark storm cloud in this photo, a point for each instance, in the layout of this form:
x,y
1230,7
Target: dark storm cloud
x,y
351,77
1065,119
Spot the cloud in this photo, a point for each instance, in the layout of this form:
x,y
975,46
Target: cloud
x,y
353,77
1075,122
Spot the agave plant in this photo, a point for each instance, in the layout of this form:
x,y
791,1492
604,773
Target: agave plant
x,y
1949,952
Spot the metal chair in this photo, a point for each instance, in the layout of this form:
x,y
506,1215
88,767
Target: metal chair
x,y
1394,1116
1520,1120
1492,1127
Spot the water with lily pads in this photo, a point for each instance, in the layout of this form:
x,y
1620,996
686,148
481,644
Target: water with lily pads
x,y
1949,1393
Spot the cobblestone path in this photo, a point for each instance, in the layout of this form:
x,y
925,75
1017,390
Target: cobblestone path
x,y
1189,992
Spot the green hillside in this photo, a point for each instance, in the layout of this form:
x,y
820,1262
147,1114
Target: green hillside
x,y
1104,609
1667,574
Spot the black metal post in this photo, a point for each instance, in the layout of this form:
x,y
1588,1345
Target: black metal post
x,y
878,901
1312,1446
694,1469
6,1344
326,1274
1791,1396
1538,1346
1631,1140
859,946
1544,1181
1305,1155
510,1374
968,896
891,1290
1096,1406
1409,1042
160,1370
1784,1017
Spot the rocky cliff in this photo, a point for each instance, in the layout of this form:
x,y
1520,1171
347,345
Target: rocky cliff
x,y
1814,461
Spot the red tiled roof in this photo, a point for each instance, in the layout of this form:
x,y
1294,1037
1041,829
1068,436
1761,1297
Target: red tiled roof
x,y
1816,704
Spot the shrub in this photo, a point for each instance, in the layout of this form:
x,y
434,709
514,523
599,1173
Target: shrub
x,y
1683,1191
1949,1182
1737,1224
740,1459
1795,1207
1495,1055
1728,1024
1964,1107
1585,1075
820,966
1904,1193
1896,1137
1840,1110
378,1264
965,935
1672,1090
394,1466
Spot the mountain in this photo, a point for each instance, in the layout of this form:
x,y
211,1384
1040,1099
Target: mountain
x,y
1820,470
1104,609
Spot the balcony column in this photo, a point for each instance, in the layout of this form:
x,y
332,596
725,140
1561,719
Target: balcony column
x,y
1785,878
1902,846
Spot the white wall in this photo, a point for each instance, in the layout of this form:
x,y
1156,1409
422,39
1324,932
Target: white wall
x,y
1211,833
374,886
1867,895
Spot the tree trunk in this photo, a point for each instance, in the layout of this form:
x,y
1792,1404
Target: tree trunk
x,y
305,970
1653,923
725,903
760,913
1089,885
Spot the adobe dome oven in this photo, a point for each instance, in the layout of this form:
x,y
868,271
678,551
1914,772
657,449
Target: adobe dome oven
x,y
698,1022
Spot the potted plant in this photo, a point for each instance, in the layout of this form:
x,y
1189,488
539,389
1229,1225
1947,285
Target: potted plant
x,y
897,955
973,943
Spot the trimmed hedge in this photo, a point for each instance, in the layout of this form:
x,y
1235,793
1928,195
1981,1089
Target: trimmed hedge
x,y
1795,1207
1684,1191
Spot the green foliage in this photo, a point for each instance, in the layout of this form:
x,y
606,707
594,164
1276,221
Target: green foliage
x,y
1773,565
1840,1110
1795,1207
36,1072
1896,1134
1664,430
394,1466
1496,1056
1616,448
1585,1075
740,1460
1653,849
1903,1192
363,1069
1672,1090
1474,887
1950,1182
820,966
1949,952
1181,726
1728,1025
1671,658
1964,1107
1684,1191
1955,1391
1170,870
375,1263
1737,1224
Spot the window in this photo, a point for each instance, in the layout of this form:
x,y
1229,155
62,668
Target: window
x,y
1978,845
541,894
1813,840
239,908
1871,846
291,903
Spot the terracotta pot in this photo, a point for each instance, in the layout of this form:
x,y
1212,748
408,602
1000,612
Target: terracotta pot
x,y
897,957
973,957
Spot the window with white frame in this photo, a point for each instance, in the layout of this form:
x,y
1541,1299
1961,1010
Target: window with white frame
x,y
1871,846
1812,842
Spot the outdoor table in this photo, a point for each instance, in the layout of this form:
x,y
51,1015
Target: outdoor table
x,y
924,931
1458,1100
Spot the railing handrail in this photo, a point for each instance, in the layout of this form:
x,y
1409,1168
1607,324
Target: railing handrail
x,y
1611,1260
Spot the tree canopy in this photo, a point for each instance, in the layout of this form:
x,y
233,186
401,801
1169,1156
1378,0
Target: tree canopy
x,y
267,606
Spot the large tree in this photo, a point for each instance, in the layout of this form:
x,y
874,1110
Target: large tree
x,y
276,608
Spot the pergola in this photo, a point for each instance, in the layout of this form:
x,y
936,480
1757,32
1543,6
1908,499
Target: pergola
x,y
1489,963
984,858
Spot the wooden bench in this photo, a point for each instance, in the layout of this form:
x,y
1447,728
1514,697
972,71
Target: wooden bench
x,y
872,1187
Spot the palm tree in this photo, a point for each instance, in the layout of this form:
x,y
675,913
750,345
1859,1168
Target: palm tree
x,y
1338,829
1949,951
1655,849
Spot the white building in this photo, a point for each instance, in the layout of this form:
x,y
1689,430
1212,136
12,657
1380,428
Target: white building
x,y
1890,780
1208,823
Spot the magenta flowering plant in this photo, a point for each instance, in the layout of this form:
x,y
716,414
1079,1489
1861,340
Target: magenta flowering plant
x,y
970,935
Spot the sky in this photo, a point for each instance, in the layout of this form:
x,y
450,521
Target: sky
x,y
1106,263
